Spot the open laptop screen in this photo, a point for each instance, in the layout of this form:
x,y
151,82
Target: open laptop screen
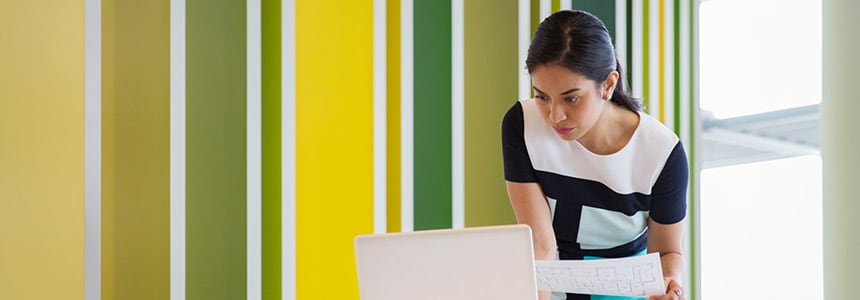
x,y
474,263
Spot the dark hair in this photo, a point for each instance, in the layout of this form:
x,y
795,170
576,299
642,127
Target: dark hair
x,y
579,41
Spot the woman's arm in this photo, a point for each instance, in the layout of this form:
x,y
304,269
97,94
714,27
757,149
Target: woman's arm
x,y
666,239
531,207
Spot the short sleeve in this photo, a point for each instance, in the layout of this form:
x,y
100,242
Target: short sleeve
x,y
518,165
669,194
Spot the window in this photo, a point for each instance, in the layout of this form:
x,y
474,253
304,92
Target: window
x,y
760,90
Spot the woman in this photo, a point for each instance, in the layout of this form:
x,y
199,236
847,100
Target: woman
x,y
592,175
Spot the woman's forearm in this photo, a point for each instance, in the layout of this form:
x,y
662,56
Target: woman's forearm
x,y
673,266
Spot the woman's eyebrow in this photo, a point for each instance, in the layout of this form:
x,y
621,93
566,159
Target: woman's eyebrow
x,y
570,91
565,92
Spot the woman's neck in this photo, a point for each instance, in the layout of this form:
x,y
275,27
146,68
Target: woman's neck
x,y
612,131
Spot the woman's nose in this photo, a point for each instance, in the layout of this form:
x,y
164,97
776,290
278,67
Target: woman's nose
x,y
556,113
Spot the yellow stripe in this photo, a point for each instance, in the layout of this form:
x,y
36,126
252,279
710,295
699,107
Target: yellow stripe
x,y
393,89
334,150
662,89
42,149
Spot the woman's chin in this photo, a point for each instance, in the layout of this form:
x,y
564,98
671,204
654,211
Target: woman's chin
x,y
568,136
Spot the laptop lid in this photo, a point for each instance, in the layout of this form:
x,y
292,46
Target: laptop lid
x,y
474,263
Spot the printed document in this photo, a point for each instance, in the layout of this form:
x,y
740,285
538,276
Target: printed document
x,y
636,276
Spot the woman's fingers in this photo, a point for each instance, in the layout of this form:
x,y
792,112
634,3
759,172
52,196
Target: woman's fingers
x,y
674,291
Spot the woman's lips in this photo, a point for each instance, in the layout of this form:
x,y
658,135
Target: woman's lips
x,y
562,130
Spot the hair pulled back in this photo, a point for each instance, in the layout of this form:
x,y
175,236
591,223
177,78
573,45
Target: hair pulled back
x,y
579,41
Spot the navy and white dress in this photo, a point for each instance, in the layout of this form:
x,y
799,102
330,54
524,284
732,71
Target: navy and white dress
x,y
600,204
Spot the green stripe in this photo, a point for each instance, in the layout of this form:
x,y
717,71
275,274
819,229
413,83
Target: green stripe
x,y
271,149
491,89
602,9
216,146
432,113
677,65
645,54
136,150
555,5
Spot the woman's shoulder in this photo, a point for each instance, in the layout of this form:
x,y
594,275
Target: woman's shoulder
x,y
655,133
517,113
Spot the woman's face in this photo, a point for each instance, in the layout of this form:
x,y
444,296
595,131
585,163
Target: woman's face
x,y
568,101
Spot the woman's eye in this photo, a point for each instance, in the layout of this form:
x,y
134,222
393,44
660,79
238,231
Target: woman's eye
x,y
541,97
571,99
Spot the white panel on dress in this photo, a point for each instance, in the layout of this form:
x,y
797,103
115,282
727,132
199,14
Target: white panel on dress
x,y
603,229
634,168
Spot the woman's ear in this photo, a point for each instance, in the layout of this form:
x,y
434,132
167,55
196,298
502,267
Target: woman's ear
x,y
609,85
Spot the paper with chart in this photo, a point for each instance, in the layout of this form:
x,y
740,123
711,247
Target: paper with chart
x,y
637,276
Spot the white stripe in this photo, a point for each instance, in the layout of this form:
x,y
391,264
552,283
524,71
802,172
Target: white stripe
x,y
92,150
380,136
566,4
621,36
669,56
288,150
654,59
177,149
458,144
545,9
457,115
636,64
406,117
523,41
254,151
684,75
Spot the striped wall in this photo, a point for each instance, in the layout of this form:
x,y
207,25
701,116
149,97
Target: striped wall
x,y
233,149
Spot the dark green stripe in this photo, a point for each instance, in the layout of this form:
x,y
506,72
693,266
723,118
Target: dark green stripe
x,y
677,65
271,148
432,113
216,145
602,9
490,56
645,54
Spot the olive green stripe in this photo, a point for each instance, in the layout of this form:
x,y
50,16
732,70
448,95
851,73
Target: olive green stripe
x,y
135,159
491,88
216,150
271,149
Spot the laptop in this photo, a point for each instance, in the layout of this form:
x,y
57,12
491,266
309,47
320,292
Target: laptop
x,y
470,264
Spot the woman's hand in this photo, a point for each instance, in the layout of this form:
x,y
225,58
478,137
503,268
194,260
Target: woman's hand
x,y
674,291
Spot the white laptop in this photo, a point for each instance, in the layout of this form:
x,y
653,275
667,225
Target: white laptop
x,y
469,264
